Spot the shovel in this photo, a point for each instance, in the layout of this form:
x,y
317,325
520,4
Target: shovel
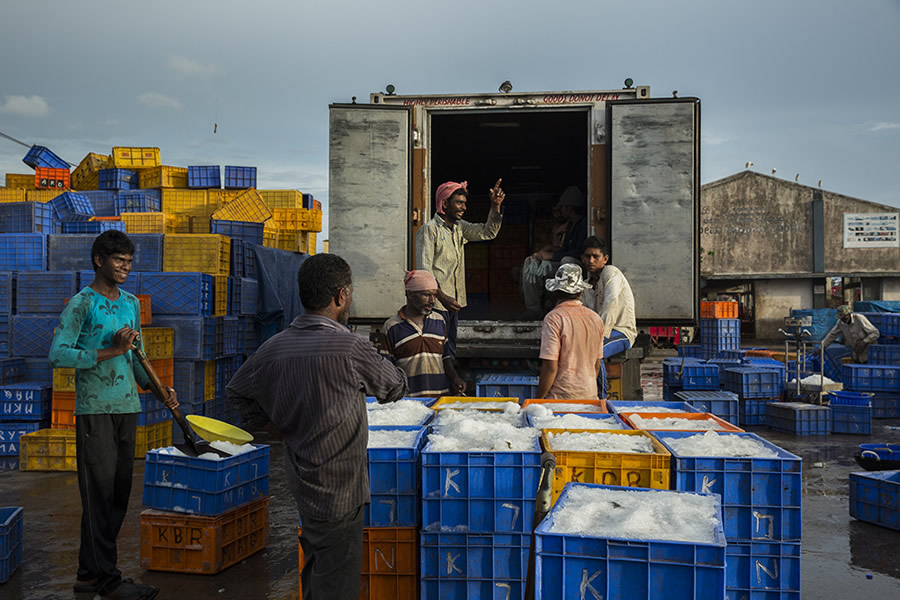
x,y
193,446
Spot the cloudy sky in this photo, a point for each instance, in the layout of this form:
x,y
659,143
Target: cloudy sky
x,y
803,86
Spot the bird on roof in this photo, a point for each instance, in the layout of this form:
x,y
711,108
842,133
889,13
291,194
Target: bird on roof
x,y
797,177
773,171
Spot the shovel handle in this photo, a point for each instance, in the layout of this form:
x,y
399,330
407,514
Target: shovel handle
x,y
156,386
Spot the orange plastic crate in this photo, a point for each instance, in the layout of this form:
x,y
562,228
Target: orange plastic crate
x,y
202,545
47,178
106,218
63,410
601,402
165,368
723,425
390,563
146,314
719,310
762,353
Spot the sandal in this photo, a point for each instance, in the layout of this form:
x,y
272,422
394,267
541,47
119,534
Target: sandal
x,y
85,587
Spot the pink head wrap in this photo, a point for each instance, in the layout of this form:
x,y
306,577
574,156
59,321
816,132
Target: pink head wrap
x,y
445,190
419,281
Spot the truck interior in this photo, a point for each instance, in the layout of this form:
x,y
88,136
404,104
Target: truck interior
x,y
538,154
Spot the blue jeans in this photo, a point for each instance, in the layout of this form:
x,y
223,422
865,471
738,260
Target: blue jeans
x,y
452,319
616,344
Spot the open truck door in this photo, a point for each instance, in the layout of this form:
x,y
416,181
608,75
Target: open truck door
x,y
654,205
369,202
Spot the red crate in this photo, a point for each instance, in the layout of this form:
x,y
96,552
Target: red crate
x,y
63,410
51,179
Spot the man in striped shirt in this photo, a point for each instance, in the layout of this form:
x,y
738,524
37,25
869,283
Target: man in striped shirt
x,y
308,385
416,340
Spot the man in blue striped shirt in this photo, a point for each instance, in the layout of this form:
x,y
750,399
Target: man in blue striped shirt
x,y
416,339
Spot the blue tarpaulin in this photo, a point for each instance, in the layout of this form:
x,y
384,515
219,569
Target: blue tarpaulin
x,y
279,296
888,306
823,319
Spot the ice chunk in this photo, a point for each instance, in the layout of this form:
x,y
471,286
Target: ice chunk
x,y
538,410
675,423
714,444
232,449
401,412
600,442
637,515
479,431
573,421
392,438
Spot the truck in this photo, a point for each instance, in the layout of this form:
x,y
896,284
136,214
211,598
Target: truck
x,y
636,157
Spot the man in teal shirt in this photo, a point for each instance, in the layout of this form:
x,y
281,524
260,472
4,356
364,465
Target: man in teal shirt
x,y
95,334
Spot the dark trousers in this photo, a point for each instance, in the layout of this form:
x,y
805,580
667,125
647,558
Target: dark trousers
x,y
333,554
105,459
452,319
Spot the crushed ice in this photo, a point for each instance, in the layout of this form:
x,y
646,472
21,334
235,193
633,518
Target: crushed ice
x,y
481,431
675,423
714,444
401,412
392,438
573,421
599,442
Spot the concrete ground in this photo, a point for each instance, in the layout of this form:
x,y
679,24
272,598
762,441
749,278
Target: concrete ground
x,y
842,557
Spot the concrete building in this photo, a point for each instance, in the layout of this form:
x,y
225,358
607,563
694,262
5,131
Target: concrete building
x,y
775,245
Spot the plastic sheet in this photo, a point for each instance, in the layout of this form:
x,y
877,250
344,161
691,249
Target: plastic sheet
x,y
279,295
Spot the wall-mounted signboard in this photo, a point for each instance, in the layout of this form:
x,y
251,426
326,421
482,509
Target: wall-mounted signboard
x,y
871,230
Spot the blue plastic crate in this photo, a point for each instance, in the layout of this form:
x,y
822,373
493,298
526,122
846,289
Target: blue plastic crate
x,y
737,354
179,293
752,411
761,362
236,264
761,497
307,201
503,385
752,382
226,367
568,564
27,217
31,335
92,227
204,177
763,571
888,324
621,406
722,364
691,351
482,491
102,201
23,251
194,336
9,464
851,419
700,376
137,201
250,268
153,411
885,405
473,566
12,528
72,206
227,335
117,179
249,296
189,379
41,156
132,285
394,482
4,336
238,230
11,432
720,403
205,487
240,177
719,328
875,498
44,291
250,334
669,392
673,369
879,354
25,401
72,252
799,418
7,292
12,370
38,370
871,378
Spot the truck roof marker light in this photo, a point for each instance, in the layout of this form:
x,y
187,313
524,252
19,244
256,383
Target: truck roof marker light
x,y
389,88
628,83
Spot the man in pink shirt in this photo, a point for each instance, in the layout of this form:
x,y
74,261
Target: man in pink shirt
x,y
571,341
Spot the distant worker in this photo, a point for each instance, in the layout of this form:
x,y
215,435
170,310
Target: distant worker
x,y
856,331
440,248
571,341
567,240
308,385
95,334
611,297
416,337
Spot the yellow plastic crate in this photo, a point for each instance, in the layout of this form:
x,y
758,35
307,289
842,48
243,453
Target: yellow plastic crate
x,y
64,380
301,219
450,400
308,242
219,198
86,174
609,468
220,291
198,224
148,222
42,195
17,180
209,380
277,198
135,158
163,177
182,223
191,202
197,253
270,235
614,389
8,195
48,450
158,342
149,437
248,207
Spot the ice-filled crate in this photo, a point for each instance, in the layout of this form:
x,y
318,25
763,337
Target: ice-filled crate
x,y
394,479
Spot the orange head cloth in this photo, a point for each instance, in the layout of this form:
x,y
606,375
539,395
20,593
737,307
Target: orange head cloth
x,y
445,190
419,281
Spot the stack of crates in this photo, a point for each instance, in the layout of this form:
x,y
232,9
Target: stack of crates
x,y
851,412
219,509
882,381
477,511
886,353
762,513
720,328
755,388
721,403
693,371
24,409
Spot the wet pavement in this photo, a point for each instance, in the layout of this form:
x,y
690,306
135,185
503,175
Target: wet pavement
x,y
839,554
